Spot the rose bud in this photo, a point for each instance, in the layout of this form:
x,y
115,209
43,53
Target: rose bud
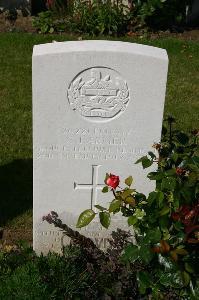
x,y
113,181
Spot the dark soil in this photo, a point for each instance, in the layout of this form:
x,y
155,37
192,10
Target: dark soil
x,y
12,236
24,24
188,35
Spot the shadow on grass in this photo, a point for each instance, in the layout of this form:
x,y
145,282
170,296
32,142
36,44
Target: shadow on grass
x,y
15,189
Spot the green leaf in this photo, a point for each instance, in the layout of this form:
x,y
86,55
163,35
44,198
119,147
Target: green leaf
x,y
140,197
152,197
131,253
155,175
186,193
143,203
164,211
181,251
139,213
146,254
168,184
160,197
51,30
105,219
170,197
129,181
170,172
85,218
144,281
193,160
152,217
146,163
174,157
132,220
100,207
166,234
164,221
154,235
152,155
114,206
178,226
180,236
182,138
130,200
176,202
105,189
140,160
186,278
188,268
126,193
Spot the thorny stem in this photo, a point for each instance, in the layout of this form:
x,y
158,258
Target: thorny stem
x,y
114,193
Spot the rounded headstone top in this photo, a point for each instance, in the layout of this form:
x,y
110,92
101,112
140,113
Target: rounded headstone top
x,y
99,46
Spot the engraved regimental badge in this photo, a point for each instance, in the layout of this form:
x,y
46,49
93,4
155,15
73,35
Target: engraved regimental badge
x,y
98,94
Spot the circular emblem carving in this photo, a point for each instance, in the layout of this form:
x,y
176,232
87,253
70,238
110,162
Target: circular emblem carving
x,y
98,94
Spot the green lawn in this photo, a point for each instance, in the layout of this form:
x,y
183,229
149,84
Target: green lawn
x,y
15,109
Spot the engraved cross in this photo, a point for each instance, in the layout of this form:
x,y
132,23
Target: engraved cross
x,y
93,187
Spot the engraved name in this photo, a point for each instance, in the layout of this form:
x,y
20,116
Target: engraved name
x,y
95,143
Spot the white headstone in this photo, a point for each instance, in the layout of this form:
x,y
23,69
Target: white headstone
x,y
97,108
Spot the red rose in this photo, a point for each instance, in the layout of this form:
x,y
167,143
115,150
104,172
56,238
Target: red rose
x,y
184,210
175,216
180,171
180,214
113,181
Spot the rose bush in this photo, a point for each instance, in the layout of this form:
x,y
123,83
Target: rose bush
x,y
166,222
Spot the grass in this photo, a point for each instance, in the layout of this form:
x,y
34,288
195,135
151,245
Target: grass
x,y
16,121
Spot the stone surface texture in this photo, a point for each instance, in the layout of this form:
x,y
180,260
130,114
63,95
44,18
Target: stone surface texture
x,y
97,108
